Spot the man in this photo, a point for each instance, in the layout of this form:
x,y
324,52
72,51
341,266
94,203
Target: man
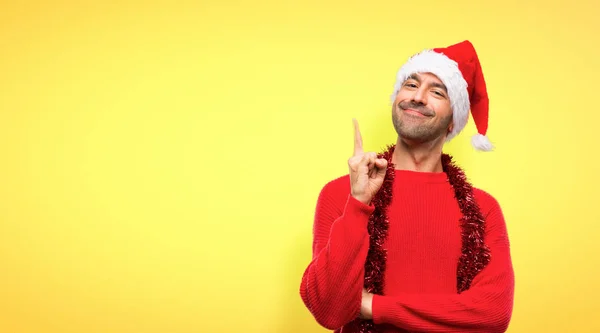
x,y
404,243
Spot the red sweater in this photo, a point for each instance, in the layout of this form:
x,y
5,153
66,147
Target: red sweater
x,y
423,249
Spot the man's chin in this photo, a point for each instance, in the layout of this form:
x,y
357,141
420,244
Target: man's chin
x,y
416,135
412,140
409,136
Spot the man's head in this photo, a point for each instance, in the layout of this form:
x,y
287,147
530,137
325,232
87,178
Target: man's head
x,y
421,111
444,84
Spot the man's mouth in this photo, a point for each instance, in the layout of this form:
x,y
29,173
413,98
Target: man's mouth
x,y
417,111
414,112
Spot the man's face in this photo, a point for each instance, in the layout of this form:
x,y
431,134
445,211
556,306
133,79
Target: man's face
x,y
422,111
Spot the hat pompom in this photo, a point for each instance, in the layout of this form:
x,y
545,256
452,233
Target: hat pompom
x,y
481,142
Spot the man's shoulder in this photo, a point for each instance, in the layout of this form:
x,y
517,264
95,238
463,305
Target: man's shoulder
x,y
482,193
337,186
485,199
334,194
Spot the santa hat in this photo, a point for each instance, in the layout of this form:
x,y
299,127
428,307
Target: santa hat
x,y
458,67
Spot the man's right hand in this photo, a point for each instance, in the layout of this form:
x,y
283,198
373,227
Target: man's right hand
x,y
367,172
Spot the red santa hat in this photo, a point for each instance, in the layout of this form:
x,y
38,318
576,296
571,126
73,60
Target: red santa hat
x,y
458,67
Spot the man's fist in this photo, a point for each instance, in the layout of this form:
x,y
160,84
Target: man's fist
x,y
366,305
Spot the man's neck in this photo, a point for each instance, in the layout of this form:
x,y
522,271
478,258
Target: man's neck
x,y
424,157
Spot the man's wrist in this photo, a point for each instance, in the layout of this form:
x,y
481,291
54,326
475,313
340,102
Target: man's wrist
x,y
361,199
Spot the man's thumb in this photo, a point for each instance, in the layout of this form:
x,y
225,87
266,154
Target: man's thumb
x,y
381,163
381,167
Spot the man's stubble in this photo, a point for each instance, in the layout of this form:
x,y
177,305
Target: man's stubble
x,y
418,130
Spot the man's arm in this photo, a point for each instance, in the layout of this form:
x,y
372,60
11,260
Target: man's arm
x,y
332,283
485,307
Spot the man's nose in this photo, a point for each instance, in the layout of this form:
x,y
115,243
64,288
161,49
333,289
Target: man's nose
x,y
420,96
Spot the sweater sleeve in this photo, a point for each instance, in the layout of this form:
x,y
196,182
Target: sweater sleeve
x,y
485,307
331,286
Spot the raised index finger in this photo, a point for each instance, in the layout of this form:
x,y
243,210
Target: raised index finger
x,y
358,148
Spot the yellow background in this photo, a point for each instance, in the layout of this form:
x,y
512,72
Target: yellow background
x,y
161,160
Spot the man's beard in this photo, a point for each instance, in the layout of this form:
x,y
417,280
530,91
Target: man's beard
x,y
418,131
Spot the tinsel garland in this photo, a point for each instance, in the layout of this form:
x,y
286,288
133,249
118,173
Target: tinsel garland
x,y
475,255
